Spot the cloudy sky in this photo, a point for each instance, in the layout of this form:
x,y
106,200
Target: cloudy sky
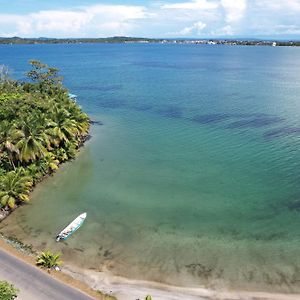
x,y
156,18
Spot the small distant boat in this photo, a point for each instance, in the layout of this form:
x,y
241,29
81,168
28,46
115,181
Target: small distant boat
x,y
72,227
72,96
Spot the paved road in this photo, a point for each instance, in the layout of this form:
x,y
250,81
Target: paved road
x,y
33,283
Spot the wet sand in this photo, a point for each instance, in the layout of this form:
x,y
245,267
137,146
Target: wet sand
x,y
127,289
122,288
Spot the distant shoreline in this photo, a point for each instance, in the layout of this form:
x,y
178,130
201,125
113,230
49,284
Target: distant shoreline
x,y
126,40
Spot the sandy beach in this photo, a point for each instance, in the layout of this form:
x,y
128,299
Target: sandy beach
x,y
127,289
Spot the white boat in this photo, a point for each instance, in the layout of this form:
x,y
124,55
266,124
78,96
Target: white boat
x,y
72,227
73,97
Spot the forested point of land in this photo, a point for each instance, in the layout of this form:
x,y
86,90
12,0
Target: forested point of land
x,y
40,127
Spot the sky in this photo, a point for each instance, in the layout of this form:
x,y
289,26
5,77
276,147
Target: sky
x,y
278,19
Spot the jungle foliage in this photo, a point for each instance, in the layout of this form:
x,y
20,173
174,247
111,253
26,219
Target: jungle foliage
x,y
40,127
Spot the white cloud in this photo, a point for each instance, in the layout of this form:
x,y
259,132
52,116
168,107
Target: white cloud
x,y
102,20
59,21
196,4
219,16
18,25
234,9
287,29
275,18
280,5
121,12
115,19
159,19
182,18
224,31
196,28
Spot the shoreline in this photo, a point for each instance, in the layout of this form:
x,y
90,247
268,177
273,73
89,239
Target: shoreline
x,y
23,253
84,139
121,288
129,289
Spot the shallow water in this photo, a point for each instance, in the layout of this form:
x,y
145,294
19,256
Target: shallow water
x,y
194,177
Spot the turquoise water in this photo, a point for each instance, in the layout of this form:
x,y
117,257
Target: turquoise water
x,y
193,178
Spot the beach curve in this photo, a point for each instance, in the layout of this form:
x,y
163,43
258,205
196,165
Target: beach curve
x,y
129,289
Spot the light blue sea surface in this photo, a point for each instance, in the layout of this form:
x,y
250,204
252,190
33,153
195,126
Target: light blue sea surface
x,y
193,178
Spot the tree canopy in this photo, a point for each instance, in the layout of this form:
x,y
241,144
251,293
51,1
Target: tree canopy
x,y
40,127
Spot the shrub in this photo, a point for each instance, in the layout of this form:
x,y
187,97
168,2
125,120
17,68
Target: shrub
x,y
48,260
7,291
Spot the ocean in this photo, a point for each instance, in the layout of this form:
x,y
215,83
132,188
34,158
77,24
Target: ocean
x,y
194,177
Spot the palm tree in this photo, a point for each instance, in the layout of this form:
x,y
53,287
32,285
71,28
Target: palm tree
x,y
60,154
83,123
8,134
43,166
14,187
48,260
50,163
62,128
35,171
32,141
82,120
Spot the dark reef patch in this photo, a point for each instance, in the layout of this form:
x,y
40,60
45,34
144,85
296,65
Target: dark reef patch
x,y
143,107
294,205
79,249
165,65
101,88
210,118
85,139
281,132
268,237
170,112
251,115
157,65
96,122
200,270
112,103
255,122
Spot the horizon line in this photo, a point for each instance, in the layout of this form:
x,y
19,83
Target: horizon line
x,y
160,38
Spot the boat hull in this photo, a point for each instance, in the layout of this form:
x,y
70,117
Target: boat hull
x,y
71,228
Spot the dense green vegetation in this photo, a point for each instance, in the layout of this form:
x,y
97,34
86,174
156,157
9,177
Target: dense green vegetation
x,y
40,127
7,291
48,260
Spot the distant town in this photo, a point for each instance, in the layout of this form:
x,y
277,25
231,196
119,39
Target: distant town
x,y
121,39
